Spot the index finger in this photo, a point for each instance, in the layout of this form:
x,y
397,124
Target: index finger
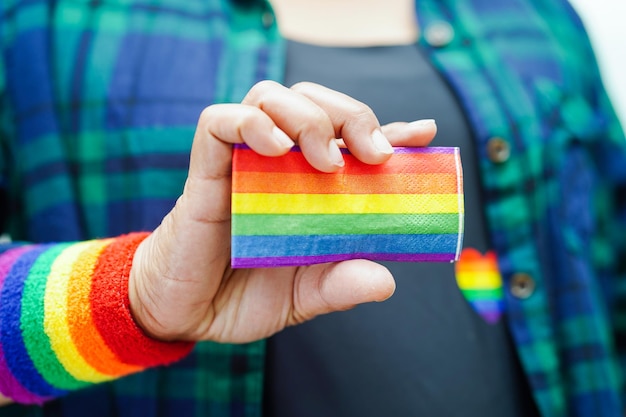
x,y
353,121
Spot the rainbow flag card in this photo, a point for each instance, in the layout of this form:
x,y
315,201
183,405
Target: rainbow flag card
x,y
286,213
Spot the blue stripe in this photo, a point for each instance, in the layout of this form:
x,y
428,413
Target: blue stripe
x,y
15,352
488,305
264,246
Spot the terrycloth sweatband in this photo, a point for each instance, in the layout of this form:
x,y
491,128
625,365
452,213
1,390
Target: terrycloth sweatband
x,y
285,212
66,319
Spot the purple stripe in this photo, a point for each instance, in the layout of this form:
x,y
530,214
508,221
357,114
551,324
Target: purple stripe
x,y
9,386
267,262
422,150
15,352
402,149
426,150
241,146
491,317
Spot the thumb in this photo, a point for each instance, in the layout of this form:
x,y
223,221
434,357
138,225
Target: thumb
x,y
321,289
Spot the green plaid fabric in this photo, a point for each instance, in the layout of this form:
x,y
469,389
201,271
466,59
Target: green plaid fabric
x,y
99,101
526,73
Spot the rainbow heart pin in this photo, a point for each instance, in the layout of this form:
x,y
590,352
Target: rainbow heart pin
x,y
479,279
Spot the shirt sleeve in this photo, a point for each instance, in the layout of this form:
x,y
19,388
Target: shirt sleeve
x,y
608,148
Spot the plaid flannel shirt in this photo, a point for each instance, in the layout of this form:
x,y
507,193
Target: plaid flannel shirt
x,y
98,104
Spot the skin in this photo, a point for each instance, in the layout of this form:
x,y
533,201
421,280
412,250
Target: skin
x,y
181,285
347,22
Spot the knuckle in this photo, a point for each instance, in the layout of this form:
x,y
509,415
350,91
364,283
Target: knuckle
x,y
260,90
360,115
303,86
362,112
205,117
317,126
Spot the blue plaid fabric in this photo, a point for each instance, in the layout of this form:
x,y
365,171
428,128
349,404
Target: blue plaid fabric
x,y
98,104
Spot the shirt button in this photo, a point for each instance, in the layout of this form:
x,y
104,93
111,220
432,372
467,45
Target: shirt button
x,y
439,34
522,285
267,19
498,150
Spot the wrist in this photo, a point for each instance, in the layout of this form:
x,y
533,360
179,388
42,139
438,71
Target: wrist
x,y
111,293
136,286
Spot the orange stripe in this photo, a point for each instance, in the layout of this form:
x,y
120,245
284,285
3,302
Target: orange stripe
x,y
83,330
476,267
294,162
320,183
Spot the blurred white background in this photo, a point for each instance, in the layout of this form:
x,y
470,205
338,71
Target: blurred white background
x,y
605,21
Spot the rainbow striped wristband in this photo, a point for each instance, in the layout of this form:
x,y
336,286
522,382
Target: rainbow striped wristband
x,y
66,320
286,213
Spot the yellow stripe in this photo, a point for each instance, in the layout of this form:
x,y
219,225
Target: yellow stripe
x,y
56,323
478,281
251,203
84,333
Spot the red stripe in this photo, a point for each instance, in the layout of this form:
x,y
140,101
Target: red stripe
x,y
111,309
246,160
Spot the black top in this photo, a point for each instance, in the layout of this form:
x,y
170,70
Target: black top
x,y
424,351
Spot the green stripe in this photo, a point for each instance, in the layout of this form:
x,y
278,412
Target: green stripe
x,y
342,224
476,295
32,324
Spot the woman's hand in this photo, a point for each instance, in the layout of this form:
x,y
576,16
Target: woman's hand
x,y
181,283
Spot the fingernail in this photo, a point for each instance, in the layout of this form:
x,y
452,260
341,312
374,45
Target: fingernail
x,y
422,124
381,143
335,154
282,138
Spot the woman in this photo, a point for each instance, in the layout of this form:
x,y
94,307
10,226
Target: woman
x,y
109,108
